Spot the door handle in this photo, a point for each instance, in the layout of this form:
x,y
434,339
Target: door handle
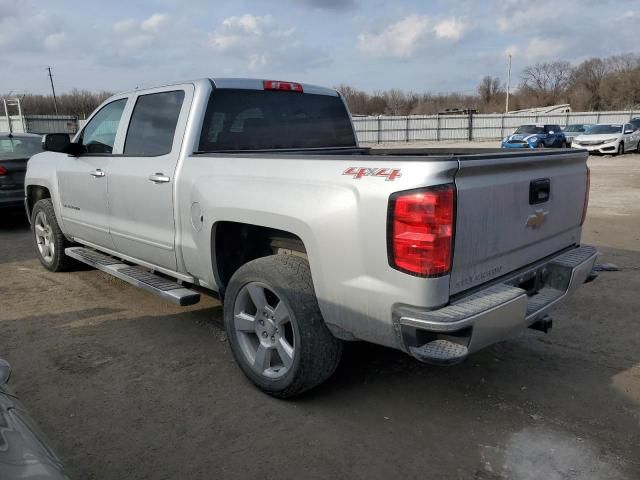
x,y
159,178
97,173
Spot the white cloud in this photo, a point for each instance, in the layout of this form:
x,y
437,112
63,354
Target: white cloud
x,y
126,25
542,47
512,50
155,22
450,29
400,39
55,41
259,42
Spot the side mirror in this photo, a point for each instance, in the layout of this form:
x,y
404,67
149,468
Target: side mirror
x,y
551,132
60,142
629,131
56,142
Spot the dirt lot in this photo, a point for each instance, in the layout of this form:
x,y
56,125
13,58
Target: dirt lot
x,y
127,386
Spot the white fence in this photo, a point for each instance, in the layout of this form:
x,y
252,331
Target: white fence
x,y
424,128
412,128
40,124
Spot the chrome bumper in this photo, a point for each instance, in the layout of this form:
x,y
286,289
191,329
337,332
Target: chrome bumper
x,y
497,312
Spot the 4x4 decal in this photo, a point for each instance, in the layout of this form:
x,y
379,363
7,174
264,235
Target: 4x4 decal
x,y
390,174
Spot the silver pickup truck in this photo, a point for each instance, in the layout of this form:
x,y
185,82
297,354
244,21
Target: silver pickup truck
x,y
257,191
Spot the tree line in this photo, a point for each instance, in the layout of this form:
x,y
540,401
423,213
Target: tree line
x,y
611,83
79,103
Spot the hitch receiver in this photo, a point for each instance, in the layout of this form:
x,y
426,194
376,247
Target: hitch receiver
x,y
544,324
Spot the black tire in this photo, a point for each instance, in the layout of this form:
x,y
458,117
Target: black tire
x,y
620,150
317,351
58,261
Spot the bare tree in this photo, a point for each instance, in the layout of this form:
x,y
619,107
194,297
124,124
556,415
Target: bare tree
x,y
546,82
489,88
588,76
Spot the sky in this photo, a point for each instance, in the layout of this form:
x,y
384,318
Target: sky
x,y
438,46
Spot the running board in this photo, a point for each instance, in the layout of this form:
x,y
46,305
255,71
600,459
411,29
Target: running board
x,y
135,275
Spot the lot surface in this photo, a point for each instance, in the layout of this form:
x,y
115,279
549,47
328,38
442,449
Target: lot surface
x,y
127,386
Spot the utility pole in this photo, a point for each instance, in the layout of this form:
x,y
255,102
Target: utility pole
x,y
55,100
506,107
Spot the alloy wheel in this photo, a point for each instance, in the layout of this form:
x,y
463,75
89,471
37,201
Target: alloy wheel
x,y
264,328
44,237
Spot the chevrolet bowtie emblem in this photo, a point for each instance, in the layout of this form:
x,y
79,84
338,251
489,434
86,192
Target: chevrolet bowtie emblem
x,y
536,220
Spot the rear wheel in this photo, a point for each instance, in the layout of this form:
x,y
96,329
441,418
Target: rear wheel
x,y
275,328
48,239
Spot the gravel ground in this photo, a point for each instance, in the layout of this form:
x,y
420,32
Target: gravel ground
x,y
127,386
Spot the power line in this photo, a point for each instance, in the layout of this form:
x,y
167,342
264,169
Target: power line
x,y
55,100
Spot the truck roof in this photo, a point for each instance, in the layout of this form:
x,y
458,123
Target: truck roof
x,y
257,84
241,83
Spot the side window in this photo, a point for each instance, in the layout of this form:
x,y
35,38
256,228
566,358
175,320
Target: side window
x,y
99,134
153,123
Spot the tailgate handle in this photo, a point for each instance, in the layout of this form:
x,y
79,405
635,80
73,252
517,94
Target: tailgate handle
x,y
539,191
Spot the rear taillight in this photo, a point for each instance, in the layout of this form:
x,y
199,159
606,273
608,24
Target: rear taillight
x,y
420,236
284,86
3,171
586,197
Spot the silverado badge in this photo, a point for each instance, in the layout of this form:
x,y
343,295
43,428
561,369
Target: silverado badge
x,y
536,220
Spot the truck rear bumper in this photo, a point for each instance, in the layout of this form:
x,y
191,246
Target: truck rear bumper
x,y
494,313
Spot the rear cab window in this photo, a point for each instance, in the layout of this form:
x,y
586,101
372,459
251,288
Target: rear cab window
x,y
240,119
153,123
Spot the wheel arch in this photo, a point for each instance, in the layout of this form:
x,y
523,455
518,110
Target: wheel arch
x,y
35,193
233,244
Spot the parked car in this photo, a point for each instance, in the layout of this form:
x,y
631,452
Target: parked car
x,y
257,190
609,138
635,122
24,450
15,151
574,130
536,136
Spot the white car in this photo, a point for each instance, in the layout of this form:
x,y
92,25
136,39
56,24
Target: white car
x,y
609,138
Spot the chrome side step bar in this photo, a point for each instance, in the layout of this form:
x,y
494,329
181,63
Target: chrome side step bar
x,y
135,275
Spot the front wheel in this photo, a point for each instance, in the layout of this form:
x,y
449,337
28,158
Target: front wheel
x,y
48,239
620,150
275,328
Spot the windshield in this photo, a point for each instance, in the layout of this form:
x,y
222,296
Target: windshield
x,y
576,128
268,120
600,129
529,129
19,147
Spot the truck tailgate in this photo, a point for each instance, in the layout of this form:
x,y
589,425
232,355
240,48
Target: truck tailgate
x,y
505,220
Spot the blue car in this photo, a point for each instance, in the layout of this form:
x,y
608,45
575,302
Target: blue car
x,y
536,136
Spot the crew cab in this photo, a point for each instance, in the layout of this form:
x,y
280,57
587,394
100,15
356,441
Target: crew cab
x,y
258,192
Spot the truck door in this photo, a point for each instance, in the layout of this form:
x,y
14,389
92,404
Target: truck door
x,y
142,181
82,180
